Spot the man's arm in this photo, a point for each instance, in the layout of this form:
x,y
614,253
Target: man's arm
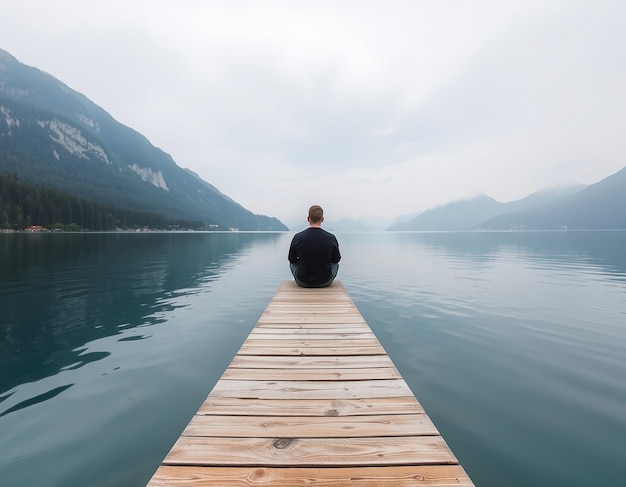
x,y
293,252
335,256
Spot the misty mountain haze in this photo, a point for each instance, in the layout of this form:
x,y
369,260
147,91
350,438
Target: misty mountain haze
x,y
597,206
54,136
459,215
57,137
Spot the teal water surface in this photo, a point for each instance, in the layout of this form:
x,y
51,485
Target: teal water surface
x,y
515,343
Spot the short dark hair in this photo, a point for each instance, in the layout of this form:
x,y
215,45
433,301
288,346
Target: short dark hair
x,y
316,213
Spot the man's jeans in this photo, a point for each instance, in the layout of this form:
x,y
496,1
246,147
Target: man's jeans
x,y
334,268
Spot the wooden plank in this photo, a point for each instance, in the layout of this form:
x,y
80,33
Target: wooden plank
x,y
311,398
310,407
302,311
310,452
311,426
404,476
251,389
287,324
300,330
312,362
288,335
310,342
320,351
312,319
291,307
291,374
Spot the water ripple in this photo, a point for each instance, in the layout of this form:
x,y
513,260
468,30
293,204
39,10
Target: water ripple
x,y
37,399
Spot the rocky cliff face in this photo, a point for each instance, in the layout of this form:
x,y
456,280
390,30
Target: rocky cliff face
x,y
53,135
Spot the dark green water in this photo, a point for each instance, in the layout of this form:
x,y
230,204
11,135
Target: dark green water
x,y
515,343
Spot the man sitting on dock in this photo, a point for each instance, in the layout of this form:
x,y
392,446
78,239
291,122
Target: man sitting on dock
x,y
314,253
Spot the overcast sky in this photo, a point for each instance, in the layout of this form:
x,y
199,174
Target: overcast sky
x,y
369,108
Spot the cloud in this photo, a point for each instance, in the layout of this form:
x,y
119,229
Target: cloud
x,y
407,104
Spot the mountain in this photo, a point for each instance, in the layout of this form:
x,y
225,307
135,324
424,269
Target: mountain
x,y
405,218
472,213
542,197
55,136
599,206
356,225
460,215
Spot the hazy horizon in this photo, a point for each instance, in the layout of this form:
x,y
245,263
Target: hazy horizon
x,y
363,107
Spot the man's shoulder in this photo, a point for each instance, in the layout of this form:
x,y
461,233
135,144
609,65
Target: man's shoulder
x,y
314,231
300,233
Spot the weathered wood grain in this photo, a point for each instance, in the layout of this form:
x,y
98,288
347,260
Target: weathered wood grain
x,y
311,426
310,350
311,327
295,337
310,452
310,407
312,362
293,374
253,389
311,398
274,342
287,330
404,476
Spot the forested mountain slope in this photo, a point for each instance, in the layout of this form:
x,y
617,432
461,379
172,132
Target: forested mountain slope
x,y
55,136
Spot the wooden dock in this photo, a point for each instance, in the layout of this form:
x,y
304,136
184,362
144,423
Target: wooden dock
x,y
311,398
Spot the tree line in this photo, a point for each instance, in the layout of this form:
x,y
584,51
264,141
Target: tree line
x,y
24,204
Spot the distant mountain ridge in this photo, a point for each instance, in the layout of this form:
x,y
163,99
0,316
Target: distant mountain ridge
x,y
598,206
460,215
55,136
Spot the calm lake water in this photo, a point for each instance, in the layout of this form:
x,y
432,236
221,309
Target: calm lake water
x,y
515,343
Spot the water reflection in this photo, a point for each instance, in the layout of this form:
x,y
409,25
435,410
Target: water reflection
x,y
604,248
515,343
60,291
37,399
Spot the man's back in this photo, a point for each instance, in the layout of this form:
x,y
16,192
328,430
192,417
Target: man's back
x,y
315,252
